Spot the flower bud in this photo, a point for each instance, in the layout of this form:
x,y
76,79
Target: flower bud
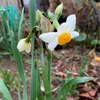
x,y
38,15
58,10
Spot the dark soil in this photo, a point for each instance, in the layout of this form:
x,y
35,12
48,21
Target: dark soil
x,y
64,60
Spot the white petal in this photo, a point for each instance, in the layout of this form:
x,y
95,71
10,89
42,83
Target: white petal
x,y
63,28
20,44
74,34
53,44
72,22
48,37
71,19
28,48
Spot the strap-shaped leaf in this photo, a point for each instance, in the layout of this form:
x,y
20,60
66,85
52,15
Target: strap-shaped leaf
x,y
4,91
72,82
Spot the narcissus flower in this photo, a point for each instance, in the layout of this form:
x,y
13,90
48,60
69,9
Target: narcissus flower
x,y
23,45
64,34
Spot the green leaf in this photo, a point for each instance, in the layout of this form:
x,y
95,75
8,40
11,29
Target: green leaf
x,y
32,13
51,16
69,83
98,41
18,59
81,37
34,78
1,38
5,53
40,95
94,42
4,91
20,25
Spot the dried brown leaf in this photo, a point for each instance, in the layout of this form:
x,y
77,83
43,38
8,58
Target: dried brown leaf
x,y
62,74
45,25
86,95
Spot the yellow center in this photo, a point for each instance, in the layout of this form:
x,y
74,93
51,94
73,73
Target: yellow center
x,y
64,38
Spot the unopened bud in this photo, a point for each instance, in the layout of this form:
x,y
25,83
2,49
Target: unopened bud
x,y
38,15
58,10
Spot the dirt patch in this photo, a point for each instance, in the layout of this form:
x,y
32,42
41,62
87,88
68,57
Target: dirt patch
x,y
64,61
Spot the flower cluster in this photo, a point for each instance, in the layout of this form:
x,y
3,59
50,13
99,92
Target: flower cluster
x,y
64,34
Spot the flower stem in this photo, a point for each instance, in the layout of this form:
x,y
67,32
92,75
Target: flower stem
x,y
56,23
33,80
49,69
31,33
46,73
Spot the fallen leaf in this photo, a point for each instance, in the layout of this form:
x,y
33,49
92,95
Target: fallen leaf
x,y
70,98
86,88
97,58
93,92
60,74
86,95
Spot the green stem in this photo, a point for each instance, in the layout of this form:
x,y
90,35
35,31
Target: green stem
x,y
56,23
49,70
46,73
31,33
49,64
32,16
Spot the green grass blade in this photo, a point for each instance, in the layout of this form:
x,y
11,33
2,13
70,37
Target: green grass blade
x,y
4,91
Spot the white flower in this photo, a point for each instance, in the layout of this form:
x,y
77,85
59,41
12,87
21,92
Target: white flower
x,y
64,34
23,45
